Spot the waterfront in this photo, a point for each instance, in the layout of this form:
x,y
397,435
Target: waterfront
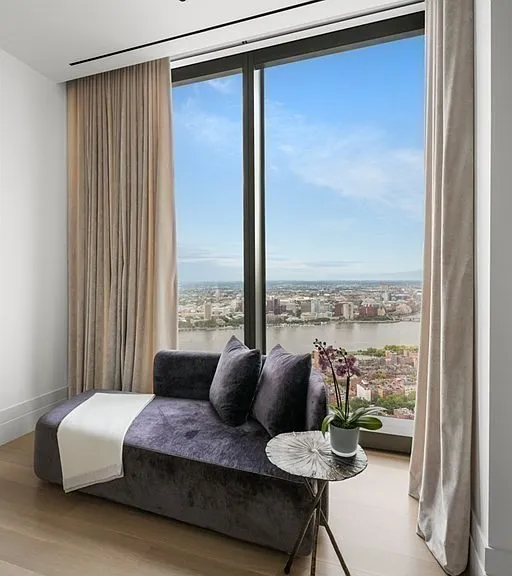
x,y
299,339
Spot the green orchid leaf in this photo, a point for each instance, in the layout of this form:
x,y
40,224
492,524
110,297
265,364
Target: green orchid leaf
x,y
327,420
361,413
370,423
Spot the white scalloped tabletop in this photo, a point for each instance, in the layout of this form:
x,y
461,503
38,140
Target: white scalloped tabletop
x,y
308,454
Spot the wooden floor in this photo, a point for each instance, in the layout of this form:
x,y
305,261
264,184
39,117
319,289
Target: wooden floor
x,y
45,532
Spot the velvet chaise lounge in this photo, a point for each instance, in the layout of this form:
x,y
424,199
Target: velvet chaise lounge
x,y
181,461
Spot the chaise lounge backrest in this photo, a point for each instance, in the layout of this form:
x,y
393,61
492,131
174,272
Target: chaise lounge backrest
x,y
186,374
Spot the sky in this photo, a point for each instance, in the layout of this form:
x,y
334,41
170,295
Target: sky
x,y
344,169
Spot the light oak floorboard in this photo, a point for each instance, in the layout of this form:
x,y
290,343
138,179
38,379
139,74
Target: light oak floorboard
x,y
44,532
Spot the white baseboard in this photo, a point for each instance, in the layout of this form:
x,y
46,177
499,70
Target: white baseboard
x,y
485,560
21,418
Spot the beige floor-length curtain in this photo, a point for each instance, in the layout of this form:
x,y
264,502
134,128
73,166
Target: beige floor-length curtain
x,y
122,261
441,456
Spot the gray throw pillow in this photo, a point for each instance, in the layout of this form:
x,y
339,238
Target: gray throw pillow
x,y
235,381
280,403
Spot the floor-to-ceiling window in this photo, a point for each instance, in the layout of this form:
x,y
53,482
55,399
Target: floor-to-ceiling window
x,y
207,123
300,196
344,211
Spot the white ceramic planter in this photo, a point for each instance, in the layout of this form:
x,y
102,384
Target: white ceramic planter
x,y
343,441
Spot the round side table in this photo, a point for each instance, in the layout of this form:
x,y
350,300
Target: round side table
x,y
308,454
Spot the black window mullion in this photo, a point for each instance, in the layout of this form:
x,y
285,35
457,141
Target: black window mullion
x,y
249,203
259,167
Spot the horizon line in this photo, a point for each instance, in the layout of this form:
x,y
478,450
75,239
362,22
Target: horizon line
x,y
383,280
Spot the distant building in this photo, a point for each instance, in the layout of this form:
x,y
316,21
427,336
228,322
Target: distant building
x,y
381,312
344,310
386,390
411,357
348,311
207,311
368,310
289,306
403,309
398,385
391,357
276,306
364,393
305,306
316,306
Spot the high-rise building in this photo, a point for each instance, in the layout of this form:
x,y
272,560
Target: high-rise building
x,y
316,306
368,310
276,306
305,306
338,309
290,306
207,311
348,311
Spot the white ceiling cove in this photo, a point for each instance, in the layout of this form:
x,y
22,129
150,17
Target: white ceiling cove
x,y
50,34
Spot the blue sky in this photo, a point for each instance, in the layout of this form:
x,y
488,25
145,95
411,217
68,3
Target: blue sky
x,y
344,168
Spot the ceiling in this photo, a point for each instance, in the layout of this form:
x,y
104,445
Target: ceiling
x,y
49,34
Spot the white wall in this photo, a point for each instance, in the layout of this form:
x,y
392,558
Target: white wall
x,y
500,398
33,292
480,500
492,498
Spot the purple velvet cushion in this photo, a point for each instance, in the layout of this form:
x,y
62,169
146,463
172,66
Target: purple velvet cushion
x,y
234,382
280,403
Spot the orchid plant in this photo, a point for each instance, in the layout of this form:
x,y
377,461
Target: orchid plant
x,y
344,365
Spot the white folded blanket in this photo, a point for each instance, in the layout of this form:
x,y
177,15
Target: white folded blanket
x,y
91,438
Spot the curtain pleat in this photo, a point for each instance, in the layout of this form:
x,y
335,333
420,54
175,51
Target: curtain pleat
x,y
440,470
122,259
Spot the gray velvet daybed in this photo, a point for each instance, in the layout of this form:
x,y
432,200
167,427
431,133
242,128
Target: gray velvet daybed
x,y
183,462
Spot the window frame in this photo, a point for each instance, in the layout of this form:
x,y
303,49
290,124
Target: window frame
x,y
251,65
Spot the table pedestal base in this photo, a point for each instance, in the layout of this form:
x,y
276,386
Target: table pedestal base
x,y
317,515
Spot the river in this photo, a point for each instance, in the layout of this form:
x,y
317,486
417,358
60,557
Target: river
x,y
299,339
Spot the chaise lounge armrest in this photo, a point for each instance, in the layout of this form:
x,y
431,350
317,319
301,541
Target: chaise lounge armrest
x,y
184,374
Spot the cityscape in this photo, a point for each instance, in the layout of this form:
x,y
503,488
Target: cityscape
x,y
376,321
